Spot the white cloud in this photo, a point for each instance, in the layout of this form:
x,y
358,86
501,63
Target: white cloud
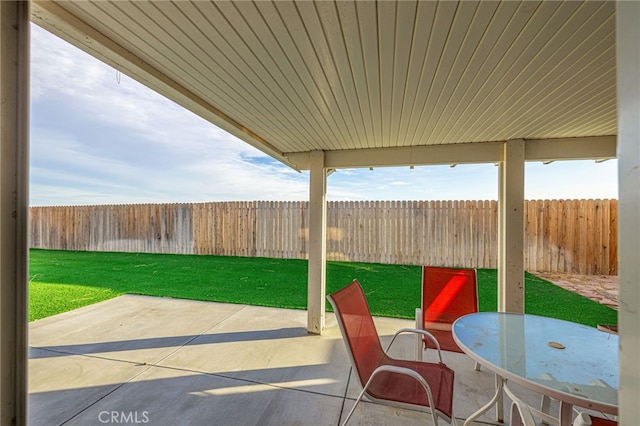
x,y
155,150
66,74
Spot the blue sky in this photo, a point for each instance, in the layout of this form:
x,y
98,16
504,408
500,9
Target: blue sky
x,y
99,137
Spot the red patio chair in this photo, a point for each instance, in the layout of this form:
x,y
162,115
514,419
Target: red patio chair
x,y
425,386
447,294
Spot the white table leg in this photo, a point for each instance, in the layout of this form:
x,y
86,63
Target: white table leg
x,y
545,418
496,400
566,414
500,400
545,406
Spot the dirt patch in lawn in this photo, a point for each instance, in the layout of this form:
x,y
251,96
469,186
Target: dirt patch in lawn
x,y
599,288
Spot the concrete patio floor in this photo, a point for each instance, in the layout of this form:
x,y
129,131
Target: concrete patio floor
x,y
161,361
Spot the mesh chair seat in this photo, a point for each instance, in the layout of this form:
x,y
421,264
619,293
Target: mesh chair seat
x,y
404,389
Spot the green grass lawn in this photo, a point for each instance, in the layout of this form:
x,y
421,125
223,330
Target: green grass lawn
x,y
46,299
65,280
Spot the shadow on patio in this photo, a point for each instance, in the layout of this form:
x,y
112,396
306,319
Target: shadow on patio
x,y
160,361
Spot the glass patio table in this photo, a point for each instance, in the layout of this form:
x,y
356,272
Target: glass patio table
x,y
573,363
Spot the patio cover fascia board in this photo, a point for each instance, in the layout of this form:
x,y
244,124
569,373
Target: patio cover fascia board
x,y
586,148
70,28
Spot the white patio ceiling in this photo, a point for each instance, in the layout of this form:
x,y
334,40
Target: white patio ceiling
x,y
370,83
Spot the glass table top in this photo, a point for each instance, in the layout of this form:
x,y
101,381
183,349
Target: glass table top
x,y
544,352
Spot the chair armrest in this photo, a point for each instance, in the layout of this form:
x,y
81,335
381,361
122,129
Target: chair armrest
x,y
416,331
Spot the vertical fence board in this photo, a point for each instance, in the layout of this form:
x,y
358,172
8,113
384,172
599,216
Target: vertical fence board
x,y
604,238
598,247
613,238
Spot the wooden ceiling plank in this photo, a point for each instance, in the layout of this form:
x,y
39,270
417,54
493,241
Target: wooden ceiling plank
x,y
295,41
386,44
567,96
348,14
219,50
480,21
540,75
312,21
312,74
588,109
367,26
584,95
404,32
257,36
293,68
442,22
523,46
488,46
335,33
201,55
505,28
561,26
601,125
455,40
422,28
588,68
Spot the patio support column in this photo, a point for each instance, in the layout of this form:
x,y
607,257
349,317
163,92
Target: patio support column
x,y
511,228
14,209
628,81
317,243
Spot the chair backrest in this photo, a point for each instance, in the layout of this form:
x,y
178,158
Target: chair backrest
x,y
447,294
358,330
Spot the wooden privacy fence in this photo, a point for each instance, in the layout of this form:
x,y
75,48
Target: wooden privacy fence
x,y
572,236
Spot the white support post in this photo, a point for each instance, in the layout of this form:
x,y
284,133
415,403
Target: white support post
x,y
628,81
317,243
511,228
14,209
